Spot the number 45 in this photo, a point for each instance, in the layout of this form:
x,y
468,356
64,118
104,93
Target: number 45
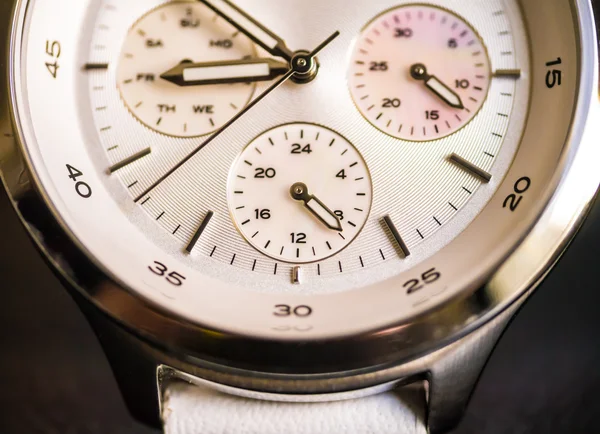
x,y
53,50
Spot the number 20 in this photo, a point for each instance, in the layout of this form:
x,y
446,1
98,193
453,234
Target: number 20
x,y
514,200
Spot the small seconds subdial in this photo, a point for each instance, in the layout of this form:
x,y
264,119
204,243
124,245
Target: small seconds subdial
x,y
173,35
300,193
419,73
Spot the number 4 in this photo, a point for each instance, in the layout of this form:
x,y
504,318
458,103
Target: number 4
x,y
52,68
73,172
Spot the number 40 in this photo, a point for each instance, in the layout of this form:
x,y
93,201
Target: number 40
x,y
82,188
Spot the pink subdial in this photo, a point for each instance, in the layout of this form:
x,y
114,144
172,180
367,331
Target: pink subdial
x,y
419,73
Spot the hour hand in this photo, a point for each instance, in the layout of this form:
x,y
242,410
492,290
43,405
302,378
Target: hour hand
x,y
251,28
299,192
188,73
434,84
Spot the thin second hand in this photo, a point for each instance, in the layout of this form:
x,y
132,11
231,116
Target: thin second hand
x,y
249,107
324,44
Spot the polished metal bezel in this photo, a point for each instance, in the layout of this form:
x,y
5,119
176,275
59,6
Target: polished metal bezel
x,y
353,358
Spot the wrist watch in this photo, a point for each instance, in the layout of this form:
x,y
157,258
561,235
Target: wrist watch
x,y
299,216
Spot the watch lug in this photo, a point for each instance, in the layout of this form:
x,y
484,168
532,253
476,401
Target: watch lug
x,y
454,373
132,363
142,372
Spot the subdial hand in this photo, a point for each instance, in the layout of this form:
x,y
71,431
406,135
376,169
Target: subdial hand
x,y
299,192
251,28
188,73
444,92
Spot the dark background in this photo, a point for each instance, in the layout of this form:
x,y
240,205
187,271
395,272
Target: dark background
x,y
544,376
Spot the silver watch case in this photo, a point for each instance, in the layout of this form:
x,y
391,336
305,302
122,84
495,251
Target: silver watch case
x,y
315,366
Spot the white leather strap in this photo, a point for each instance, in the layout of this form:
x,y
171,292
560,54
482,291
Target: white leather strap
x,y
192,409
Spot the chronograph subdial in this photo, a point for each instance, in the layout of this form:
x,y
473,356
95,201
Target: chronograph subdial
x,y
419,73
300,193
172,36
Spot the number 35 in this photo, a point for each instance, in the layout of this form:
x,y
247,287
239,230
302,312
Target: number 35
x,y
162,270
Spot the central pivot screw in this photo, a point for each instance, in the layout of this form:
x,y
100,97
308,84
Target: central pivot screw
x,y
299,191
305,67
418,71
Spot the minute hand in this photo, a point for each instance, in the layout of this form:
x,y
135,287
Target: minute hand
x,y
233,120
227,72
251,28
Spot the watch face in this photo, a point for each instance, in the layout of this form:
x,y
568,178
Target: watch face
x,y
205,159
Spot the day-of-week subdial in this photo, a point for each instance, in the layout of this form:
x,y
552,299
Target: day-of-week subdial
x,y
419,73
174,66
300,193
